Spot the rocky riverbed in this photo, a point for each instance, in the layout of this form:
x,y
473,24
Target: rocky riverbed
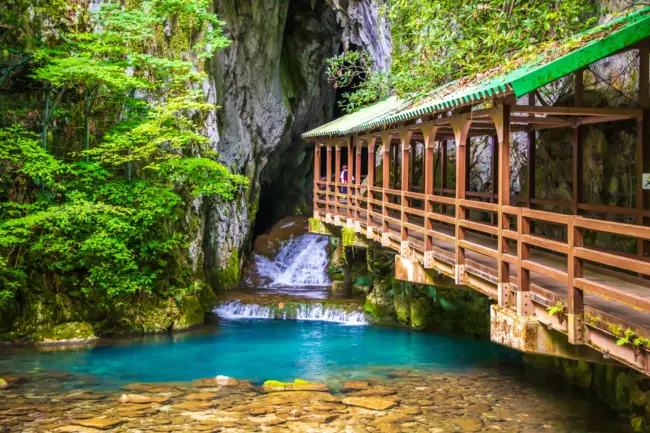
x,y
394,401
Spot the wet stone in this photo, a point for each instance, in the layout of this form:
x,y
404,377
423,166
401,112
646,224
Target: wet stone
x,y
99,423
374,403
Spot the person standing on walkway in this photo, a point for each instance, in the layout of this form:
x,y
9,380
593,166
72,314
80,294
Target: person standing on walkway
x,y
344,179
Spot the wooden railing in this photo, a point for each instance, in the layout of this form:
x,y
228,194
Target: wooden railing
x,y
432,223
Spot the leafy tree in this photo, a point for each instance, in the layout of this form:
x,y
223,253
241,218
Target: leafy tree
x,y
103,223
441,41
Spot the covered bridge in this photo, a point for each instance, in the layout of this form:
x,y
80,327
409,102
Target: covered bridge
x,y
500,182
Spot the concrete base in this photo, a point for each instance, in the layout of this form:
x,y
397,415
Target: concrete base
x,y
413,272
526,334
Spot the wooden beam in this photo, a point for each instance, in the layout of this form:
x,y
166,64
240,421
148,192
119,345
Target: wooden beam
x,y
405,144
329,178
578,156
461,125
501,117
357,178
643,145
630,113
317,148
385,140
371,177
337,172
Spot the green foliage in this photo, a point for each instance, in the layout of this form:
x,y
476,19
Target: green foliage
x,y
103,223
556,310
441,41
630,337
348,236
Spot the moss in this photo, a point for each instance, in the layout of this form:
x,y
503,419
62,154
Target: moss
x,y
348,236
315,226
228,277
279,384
11,336
191,315
66,331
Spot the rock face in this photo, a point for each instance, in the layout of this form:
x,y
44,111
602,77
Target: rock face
x,y
272,87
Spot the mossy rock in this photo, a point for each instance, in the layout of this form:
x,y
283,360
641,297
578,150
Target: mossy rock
x,y
191,315
77,332
296,385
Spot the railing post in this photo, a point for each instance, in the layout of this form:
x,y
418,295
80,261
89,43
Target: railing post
x,y
643,145
577,145
460,125
576,296
328,183
429,133
337,173
501,117
370,180
443,172
405,142
316,178
524,304
385,140
357,182
351,165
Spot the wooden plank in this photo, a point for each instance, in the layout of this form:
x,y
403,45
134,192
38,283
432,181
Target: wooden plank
x,y
622,229
629,264
630,113
414,195
414,227
511,210
478,248
546,243
480,205
442,218
510,234
600,288
413,211
511,259
480,227
607,209
441,199
545,271
549,217
441,236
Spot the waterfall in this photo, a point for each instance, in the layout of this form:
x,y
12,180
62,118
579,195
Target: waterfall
x,y
301,262
349,315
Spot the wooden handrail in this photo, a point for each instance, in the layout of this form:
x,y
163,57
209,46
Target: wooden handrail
x,y
631,230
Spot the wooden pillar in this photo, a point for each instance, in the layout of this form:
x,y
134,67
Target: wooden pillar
x,y
351,164
405,143
577,145
531,142
357,179
443,171
371,177
337,173
317,147
575,314
328,170
385,140
460,125
643,145
429,133
501,117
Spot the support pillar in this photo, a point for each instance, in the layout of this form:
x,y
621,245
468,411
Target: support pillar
x,y
370,182
429,133
385,140
643,145
357,182
328,181
501,117
460,125
337,173
574,236
351,164
317,149
405,142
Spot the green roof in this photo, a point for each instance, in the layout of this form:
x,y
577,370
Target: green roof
x,y
555,61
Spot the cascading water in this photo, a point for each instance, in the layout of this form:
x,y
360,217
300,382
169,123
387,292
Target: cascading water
x,y
293,311
301,262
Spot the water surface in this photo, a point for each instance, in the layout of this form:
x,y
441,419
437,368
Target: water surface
x,y
258,350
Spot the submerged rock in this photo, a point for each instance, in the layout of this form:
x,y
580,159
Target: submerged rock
x,y
374,403
99,423
143,399
297,385
355,385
